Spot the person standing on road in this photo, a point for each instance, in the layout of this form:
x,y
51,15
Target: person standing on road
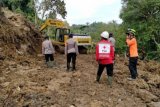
x,y
105,57
133,53
48,51
113,41
71,51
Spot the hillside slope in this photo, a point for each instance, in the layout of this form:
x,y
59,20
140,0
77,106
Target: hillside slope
x,y
17,35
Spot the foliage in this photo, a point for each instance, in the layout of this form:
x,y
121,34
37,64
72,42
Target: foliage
x,y
52,8
25,7
96,28
30,8
144,16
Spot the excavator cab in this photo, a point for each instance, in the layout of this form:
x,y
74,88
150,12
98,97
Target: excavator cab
x,y
61,34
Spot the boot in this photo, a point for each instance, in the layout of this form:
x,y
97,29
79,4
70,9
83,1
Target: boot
x,y
98,78
48,64
68,66
52,64
110,81
73,67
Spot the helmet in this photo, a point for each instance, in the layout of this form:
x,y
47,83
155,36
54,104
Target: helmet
x,y
131,31
105,34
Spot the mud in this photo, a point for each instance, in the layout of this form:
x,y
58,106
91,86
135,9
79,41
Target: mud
x,y
30,83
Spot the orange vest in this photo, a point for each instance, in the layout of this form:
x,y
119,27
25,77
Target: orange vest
x,y
132,43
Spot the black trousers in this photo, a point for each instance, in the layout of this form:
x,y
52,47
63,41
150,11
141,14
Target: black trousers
x,y
133,67
109,69
49,57
71,57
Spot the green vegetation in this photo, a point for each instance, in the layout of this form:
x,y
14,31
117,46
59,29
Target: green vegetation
x,y
96,28
31,8
144,16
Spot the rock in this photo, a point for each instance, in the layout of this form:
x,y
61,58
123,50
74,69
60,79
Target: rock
x,y
5,84
91,93
142,84
1,49
146,95
72,106
77,74
2,79
19,52
40,55
154,80
55,105
96,103
154,104
2,57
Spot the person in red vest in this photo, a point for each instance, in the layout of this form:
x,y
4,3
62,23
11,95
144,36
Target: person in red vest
x,y
105,57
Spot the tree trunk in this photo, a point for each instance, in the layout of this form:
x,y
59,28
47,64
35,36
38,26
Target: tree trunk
x,y
35,15
0,8
158,45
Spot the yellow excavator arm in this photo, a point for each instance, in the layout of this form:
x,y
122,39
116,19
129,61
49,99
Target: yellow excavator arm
x,y
53,22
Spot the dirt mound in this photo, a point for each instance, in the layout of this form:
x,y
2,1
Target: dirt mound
x,y
17,35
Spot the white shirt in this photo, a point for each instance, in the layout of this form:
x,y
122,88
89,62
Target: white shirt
x,y
47,47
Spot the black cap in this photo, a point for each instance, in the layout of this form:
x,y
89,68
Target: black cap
x,y
70,35
46,37
110,34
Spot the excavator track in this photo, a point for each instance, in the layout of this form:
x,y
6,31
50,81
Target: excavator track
x,y
59,49
82,50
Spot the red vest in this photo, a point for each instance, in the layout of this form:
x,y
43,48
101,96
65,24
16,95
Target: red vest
x,y
104,52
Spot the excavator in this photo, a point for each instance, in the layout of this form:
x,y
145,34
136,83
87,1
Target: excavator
x,y
62,34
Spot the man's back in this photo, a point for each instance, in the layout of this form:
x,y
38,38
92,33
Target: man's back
x,y
113,41
71,46
47,47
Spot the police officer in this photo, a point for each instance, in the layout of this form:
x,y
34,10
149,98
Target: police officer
x,y
48,51
71,51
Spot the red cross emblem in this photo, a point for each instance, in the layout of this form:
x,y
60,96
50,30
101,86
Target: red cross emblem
x,y
104,47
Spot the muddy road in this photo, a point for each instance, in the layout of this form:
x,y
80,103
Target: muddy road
x,y
27,82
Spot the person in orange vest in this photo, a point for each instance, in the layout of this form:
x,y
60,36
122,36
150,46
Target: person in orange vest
x,y
105,57
133,53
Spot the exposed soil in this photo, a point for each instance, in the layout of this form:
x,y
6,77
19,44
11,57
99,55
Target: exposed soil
x,y
30,83
25,81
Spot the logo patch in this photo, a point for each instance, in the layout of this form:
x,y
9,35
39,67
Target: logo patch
x,y
104,48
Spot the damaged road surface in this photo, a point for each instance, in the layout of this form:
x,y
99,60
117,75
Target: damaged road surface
x,y
30,83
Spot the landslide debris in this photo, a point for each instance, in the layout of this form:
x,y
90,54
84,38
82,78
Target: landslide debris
x,y
17,35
